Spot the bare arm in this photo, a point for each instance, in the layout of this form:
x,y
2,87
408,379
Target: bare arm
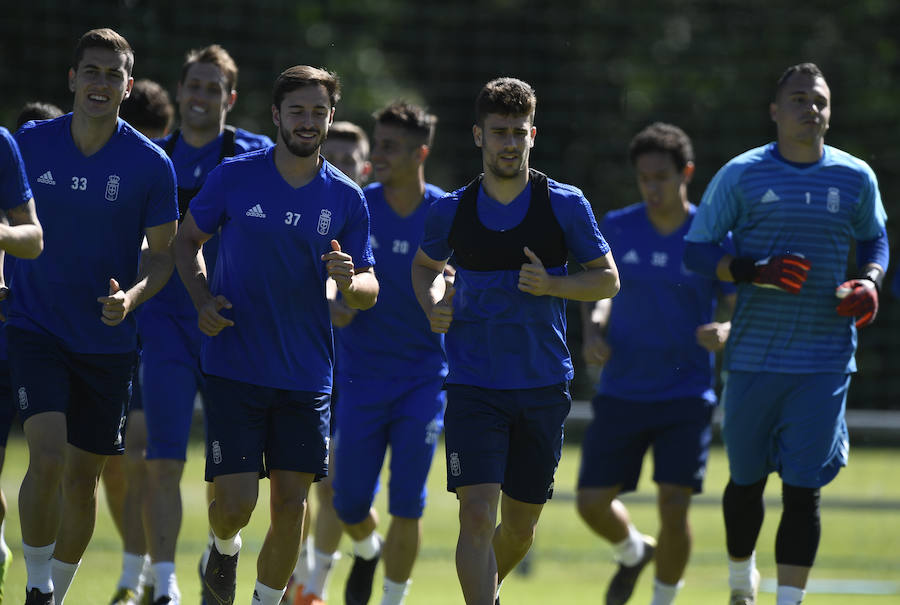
x,y
714,335
21,235
154,271
192,269
359,287
600,279
433,290
594,318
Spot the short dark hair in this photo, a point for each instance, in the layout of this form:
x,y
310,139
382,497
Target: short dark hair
x,y
216,55
108,39
664,138
506,97
148,107
810,69
36,110
299,76
411,118
348,131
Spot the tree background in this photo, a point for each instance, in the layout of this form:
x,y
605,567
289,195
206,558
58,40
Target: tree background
x,y
602,69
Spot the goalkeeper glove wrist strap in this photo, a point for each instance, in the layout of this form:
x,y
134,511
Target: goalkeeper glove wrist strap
x,y
743,270
875,275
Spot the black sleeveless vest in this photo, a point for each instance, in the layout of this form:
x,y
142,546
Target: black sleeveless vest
x,y
477,248
185,194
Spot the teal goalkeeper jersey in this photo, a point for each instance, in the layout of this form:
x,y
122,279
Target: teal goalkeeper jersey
x,y
774,207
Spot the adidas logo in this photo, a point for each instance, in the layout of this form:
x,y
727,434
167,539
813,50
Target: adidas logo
x,y
46,179
769,197
256,212
631,257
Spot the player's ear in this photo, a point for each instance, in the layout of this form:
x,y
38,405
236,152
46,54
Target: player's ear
x,y
688,172
276,116
71,80
478,135
232,98
773,111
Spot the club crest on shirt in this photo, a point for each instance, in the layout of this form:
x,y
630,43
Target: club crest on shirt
x,y
324,222
833,200
112,187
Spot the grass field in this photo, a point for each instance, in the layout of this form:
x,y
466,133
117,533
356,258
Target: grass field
x,y
859,552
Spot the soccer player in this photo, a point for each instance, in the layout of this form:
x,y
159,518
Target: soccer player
x,y
390,398
71,329
170,338
655,343
148,108
20,235
37,110
288,221
347,148
793,206
510,232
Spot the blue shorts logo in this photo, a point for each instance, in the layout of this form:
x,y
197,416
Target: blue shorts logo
x,y
23,399
216,453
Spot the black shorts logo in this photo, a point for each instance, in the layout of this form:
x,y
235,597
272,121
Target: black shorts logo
x,y
455,468
23,399
216,453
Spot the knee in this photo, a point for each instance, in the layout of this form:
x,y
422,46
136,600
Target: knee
x,y
800,500
673,508
518,530
233,510
476,517
164,474
47,459
591,502
287,511
325,493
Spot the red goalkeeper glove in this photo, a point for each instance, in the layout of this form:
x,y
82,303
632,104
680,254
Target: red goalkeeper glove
x,y
783,272
859,298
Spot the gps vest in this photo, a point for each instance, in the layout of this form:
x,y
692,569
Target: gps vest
x,y
185,194
477,248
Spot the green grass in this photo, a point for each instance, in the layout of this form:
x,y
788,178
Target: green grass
x,y
861,540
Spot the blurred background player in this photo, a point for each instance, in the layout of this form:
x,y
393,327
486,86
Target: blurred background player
x,y
269,357
13,184
37,110
71,372
171,377
510,231
793,206
655,343
20,235
390,398
347,148
148,109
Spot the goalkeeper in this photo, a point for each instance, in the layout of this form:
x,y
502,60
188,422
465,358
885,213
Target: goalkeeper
x,y
793,208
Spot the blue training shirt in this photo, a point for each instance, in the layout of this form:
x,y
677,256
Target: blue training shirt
x,y
192,165
269,267
654,317
500,337
393,338
94,211
14,191
14,188
774,207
